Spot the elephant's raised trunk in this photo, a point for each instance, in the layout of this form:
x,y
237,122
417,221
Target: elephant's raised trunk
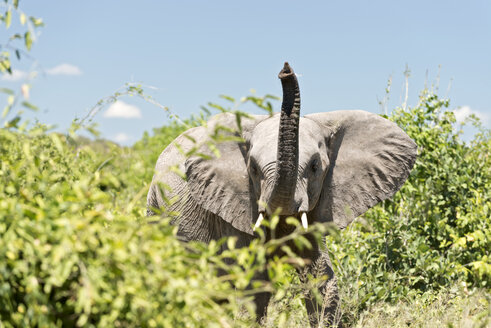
x,y
283,191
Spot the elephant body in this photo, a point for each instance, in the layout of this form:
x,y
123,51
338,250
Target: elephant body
x,y
324,167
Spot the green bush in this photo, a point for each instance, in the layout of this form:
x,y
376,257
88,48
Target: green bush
x,y
69,256
76,249
436,230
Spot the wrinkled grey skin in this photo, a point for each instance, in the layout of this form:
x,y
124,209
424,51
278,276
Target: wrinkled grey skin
x,y
332,166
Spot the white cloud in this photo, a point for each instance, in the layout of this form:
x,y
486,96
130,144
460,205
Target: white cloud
x,y
64,69
16,75
462,112
121,137
122,110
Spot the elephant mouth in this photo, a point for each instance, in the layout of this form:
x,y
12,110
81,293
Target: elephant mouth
x,y
301,216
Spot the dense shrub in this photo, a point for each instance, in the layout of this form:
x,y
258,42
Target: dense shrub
x,y
436,230
69,256
76,249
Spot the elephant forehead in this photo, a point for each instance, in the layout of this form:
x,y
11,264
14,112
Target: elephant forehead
x,y
264,140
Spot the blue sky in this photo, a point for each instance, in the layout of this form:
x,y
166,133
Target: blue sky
x,y
193,51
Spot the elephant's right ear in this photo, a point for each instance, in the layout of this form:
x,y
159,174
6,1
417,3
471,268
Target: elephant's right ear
x,y
370,158
221,185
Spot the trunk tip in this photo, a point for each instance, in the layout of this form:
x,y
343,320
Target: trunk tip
x,y
286,72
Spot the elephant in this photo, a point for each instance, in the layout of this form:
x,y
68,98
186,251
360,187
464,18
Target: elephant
x,y
323,167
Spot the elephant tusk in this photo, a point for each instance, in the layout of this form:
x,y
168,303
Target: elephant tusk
x,y
305,223
258,222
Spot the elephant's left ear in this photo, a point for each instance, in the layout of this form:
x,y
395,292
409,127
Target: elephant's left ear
x,y
220,184
370,158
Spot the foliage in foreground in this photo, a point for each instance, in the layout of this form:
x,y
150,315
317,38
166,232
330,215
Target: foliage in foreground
x,y
435,231
453,309
76,250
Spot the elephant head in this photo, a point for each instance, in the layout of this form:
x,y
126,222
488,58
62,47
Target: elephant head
x,y
323,167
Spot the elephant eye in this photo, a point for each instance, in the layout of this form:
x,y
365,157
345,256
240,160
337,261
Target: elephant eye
x,y
254,169
314,165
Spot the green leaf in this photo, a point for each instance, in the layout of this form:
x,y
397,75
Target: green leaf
x,y
57,142
8,18
231,99
214,149
13,122
36,21
5,66
231,242
22,18
29,106
16,36
423,248
93,130
216,106
7,91
6,110
28,40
